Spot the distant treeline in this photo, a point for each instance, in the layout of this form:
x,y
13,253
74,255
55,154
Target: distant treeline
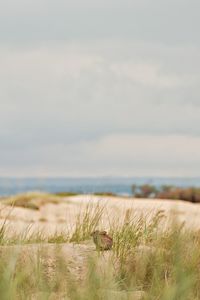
x,y
191,194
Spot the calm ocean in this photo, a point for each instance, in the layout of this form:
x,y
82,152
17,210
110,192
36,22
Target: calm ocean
x,y
121,186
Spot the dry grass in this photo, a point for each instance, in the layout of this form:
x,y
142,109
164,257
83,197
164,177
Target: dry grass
x,y
86,222
32,200
145,263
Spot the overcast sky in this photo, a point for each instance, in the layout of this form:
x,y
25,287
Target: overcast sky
x,y
92,88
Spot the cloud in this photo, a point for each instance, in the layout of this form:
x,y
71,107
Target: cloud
x,y
79,77
126,155
70,92
171,22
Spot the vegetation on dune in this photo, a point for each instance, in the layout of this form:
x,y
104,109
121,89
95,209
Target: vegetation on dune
x,y
66,194
32,200
145,262
108,194
191,194
35,200
86,222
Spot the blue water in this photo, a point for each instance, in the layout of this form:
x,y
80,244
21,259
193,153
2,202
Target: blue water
x,y
121,186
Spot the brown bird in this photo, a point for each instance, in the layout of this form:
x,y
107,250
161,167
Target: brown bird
x,y
102,240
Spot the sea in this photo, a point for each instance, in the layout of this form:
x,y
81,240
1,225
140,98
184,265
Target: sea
x,y
89,185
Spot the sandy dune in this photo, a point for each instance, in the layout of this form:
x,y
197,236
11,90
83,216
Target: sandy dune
x,y
51,218
62,217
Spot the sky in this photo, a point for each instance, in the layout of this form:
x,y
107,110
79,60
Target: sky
x,y
99,88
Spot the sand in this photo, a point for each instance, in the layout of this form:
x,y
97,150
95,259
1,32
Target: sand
x,y
51,218
60,217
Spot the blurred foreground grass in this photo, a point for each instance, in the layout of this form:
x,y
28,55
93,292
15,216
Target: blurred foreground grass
x,y
145,263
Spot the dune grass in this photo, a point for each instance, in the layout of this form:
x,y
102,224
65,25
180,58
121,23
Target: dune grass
x,y
86,222
66,194
32,200
146,262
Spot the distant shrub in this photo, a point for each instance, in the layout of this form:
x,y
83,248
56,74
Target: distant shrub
x,y
191,194
188,194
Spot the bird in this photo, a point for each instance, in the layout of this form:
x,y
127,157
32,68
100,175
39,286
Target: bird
x,y
102,240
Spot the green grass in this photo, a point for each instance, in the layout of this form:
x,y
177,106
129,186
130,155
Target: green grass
x,y
145,260
86,222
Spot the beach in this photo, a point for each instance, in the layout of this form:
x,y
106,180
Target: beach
x,y
62,216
